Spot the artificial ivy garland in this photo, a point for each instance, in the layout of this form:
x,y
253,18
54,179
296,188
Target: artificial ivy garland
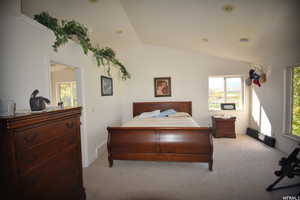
x,y
66,30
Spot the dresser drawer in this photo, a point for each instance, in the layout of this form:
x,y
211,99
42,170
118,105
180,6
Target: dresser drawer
x,y
42,134
59,178
36,156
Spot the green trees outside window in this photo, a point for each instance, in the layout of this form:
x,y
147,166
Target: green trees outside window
x,y
296,101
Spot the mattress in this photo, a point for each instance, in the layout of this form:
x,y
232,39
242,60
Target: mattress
x,y
162,122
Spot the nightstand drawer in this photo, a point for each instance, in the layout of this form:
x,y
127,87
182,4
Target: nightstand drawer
x,y
226,133
42,134
223,125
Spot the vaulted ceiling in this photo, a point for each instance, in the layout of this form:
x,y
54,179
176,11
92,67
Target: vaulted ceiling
x,y
271,26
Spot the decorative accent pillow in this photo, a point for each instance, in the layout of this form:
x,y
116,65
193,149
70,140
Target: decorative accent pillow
x,y
166,113
154,113
180,114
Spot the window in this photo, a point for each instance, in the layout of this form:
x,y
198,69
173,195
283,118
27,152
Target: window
x,y
225,90
66,92
293,101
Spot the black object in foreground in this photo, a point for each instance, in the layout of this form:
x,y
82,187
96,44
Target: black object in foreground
x,y
290,167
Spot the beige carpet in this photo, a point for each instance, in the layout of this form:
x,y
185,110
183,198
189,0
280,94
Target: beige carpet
x,y
243,168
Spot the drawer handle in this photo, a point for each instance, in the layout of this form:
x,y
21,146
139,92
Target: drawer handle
x,y
30,138
70,124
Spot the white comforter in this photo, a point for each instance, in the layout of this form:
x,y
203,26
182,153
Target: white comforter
x,y
162,122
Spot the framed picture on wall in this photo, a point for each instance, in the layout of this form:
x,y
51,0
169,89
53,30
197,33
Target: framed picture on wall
x,y
106,86
162,87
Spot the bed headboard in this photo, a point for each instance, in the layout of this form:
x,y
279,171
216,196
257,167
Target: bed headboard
x,y
179,106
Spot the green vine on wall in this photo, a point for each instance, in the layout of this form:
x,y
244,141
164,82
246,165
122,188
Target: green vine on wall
x,y
65,30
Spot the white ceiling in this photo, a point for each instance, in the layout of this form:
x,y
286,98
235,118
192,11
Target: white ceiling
x,y
103,18
271,25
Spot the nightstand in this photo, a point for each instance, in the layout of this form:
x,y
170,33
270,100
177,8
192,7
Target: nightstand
x,y
223,127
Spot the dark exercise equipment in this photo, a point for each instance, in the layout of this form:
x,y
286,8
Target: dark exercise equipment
x,y
290,167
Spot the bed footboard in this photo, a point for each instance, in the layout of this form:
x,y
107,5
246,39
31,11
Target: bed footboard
x,y
186,144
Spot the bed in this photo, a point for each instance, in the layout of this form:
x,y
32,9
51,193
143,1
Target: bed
x,y
175,140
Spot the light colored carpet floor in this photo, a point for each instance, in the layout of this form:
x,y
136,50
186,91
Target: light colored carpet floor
x,y
243,168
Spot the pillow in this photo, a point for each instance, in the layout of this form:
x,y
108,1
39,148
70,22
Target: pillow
x,y
154,113
180,114
167,113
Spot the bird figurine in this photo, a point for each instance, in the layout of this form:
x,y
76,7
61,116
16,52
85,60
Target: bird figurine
x,y
37,103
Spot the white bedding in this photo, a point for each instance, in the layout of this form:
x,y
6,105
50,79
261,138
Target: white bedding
x,y
162,122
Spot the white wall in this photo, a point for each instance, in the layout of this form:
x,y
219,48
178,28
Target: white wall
x,y
271,96
189,72
25,65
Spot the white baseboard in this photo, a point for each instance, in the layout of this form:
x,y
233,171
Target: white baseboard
x,y
91,160
101,149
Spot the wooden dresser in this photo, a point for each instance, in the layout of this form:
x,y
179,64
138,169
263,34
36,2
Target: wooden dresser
x,y
41,156
223,127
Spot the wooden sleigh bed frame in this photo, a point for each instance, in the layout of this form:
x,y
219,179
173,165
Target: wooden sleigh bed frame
x,y
186,144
